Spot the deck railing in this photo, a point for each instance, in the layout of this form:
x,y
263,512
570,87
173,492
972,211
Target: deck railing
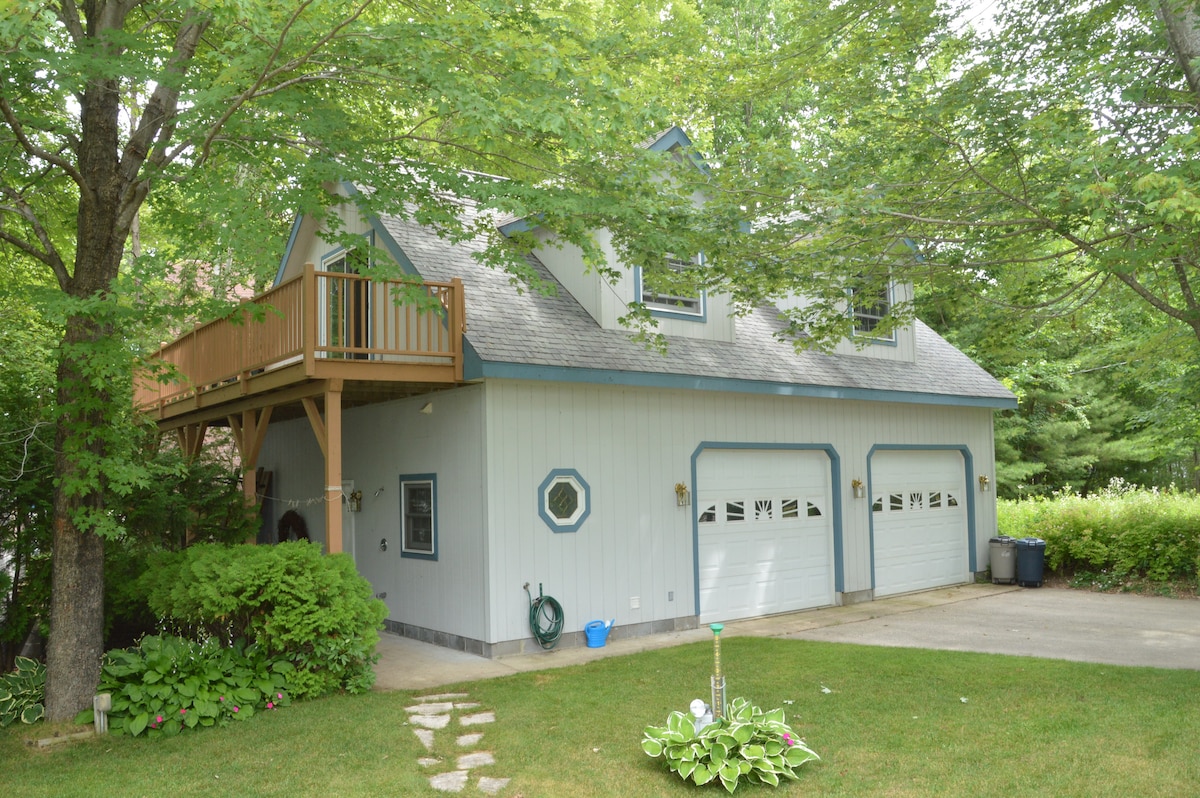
x,y
316,319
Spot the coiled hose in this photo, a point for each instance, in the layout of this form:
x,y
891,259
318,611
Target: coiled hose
x,y
545,618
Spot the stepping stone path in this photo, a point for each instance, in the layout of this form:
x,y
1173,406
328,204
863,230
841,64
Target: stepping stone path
x,y
435,712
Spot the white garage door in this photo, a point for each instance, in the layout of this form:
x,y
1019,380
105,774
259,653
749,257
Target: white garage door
x,y
765,540
919,520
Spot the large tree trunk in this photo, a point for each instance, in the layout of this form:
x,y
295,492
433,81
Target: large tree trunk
x,y
76,641
76,617
85,405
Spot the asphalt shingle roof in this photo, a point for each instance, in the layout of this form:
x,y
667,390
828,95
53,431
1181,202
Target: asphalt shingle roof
x,y
505,326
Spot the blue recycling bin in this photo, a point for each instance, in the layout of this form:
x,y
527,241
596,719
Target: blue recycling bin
x,y
1031,561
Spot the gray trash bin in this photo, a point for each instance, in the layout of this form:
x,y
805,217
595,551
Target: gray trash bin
x,y
1031,561
1002,554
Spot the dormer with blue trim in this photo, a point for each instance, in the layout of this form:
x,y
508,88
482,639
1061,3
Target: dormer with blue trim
x,y
677,312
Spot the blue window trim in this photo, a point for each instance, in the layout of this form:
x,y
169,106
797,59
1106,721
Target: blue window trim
x,y
835,486
662,313
968,470
552,478
432,479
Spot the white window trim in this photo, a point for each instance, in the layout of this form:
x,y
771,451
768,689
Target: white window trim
x,y
859,315
694,306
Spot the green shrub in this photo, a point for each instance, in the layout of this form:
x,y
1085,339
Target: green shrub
x,y
1123,532
313,610
166,684
22,693
748,744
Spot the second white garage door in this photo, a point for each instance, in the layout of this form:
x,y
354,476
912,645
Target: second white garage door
x,y
765,532
919,520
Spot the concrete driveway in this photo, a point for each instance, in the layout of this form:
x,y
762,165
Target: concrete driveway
x,y
995,619
1042,622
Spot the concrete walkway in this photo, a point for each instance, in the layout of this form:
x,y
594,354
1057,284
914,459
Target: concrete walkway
x,y
1043,622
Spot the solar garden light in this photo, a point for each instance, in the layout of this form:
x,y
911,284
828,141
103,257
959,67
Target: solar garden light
x,y
718,679
101,706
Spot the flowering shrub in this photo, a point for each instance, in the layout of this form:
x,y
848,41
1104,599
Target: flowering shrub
x,y
748,744
165,685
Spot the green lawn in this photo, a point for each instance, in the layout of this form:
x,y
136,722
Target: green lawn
x,y
894,723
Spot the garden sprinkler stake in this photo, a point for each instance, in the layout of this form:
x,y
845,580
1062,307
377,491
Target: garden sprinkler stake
x,y
718,679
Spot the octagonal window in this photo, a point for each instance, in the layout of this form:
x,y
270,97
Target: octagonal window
x,y
564,500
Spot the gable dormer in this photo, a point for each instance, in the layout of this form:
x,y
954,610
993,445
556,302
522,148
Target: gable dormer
x,y
677,313
865,340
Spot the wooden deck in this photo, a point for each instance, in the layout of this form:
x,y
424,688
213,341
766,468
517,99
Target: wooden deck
x,y
376,338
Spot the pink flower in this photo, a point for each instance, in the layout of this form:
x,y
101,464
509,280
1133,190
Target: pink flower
x,y
270,705
787,738
158,719
279,696
222,698
183,712
235,709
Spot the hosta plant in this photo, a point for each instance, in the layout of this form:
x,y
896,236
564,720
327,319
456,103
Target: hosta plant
x,y
747,745
22,692
166,685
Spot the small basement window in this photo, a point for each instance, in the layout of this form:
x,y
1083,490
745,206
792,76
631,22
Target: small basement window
x,y
564,500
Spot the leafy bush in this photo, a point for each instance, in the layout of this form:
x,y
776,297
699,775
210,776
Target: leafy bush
x,y
165,685
297,604
1121,531
22,693
748,744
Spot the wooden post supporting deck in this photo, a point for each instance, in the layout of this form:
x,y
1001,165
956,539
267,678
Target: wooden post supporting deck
x,y
249,432
329,435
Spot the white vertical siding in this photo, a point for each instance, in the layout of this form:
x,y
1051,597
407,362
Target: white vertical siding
x,y
492,445
380,443
631,446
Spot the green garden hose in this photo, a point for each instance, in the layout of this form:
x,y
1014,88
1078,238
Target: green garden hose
x,y
545,618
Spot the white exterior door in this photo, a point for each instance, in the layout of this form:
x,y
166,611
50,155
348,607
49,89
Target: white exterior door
x,y
765,532
919,520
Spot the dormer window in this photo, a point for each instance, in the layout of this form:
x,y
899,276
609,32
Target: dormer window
x,y
683,304
869,309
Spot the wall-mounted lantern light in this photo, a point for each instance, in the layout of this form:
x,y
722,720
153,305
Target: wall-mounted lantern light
x,y
984,483
682,497
354,501
860,490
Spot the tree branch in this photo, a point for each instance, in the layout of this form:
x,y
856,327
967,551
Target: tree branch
x,y
33,150
48,254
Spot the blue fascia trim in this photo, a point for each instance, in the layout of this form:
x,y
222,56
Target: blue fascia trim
x,y
674,137
413,555
386,242
642,379
968,471
472,362
552,522
287,251
521,225
835,485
